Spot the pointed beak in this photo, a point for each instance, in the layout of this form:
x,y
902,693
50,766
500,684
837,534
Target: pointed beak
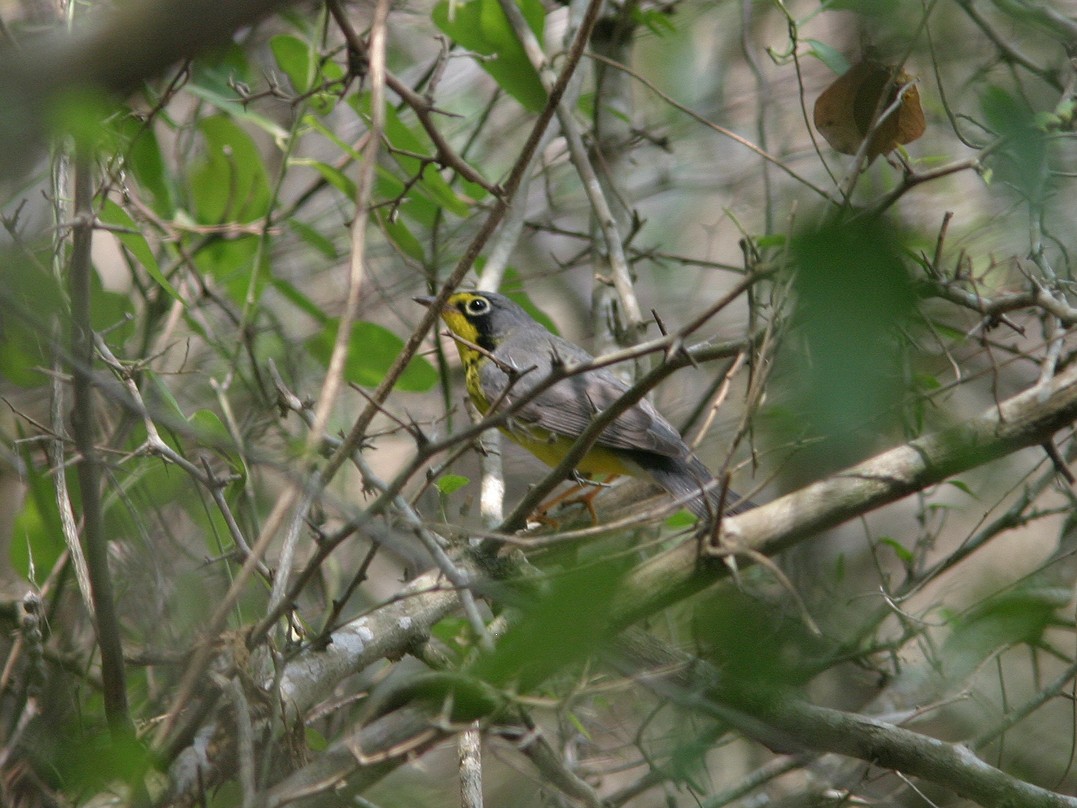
x,y
424,300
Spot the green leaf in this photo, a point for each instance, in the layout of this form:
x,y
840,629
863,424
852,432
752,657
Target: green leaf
x,y
231,261
900,550
451,483
306,71
514,281
400,236
80,112
831,57
300,300
481,26
963,487
229,182
160,394
322,243
212,77
418,207
296,59
36,534
316,742
570,621
145,164
211,430
372,349
1022,160
926,382
111,313
852,289
405,143
679,520
136,244
30,297
1013,617
334,176
770,240
658,21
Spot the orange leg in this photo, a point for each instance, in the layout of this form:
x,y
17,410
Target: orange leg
x,y
569,497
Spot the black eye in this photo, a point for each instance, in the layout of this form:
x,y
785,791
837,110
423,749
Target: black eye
x,y
478,305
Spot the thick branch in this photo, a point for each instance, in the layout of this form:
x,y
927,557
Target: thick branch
x,y
791,723
1027,419
106,621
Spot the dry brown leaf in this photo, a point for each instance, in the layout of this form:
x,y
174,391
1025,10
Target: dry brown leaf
x,y
845,110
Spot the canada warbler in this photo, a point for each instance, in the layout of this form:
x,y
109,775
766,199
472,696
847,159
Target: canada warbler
x,y
507,354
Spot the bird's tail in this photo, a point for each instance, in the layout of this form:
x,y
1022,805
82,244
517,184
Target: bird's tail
x,y
691,482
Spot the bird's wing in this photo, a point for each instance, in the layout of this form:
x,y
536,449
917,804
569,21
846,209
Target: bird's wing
x,y
566,408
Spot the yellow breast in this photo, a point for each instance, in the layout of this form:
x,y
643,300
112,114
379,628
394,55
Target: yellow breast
x,y
547,446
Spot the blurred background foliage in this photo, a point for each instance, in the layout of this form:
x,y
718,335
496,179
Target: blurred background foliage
x,y
883,298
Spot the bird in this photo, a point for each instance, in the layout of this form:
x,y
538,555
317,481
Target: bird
x,y
507,354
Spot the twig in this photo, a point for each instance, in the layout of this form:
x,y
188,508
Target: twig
x,y
58,465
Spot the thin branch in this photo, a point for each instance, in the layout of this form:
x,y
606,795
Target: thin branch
x,y
716,127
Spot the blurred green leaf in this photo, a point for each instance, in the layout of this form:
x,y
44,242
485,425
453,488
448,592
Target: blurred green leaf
x,y
319,241
406,143
307,71
136,243
770,240
232,262
30,299
963,487
831,57
513,286
854,298
679,520
334,176
754,643
1021,162
144,164
110,312
372,350
315,741
160,399
81,114
566,624
210,429
296,59
37,538
400,236
216,78
300,300
229,182
481,26
658,21
87,758
1014,617
904,555
451,483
